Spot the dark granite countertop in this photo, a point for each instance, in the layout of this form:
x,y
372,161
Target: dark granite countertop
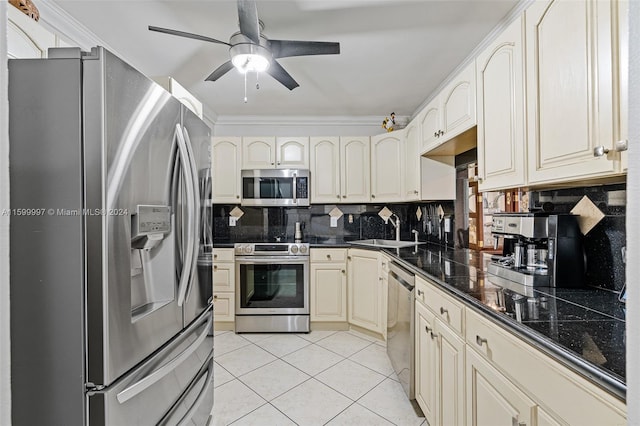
x,y
582,328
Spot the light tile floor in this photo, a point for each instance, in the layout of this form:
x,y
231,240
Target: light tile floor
x,y
321,378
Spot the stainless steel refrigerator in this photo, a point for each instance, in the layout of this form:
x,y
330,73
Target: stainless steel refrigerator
x,y
110,314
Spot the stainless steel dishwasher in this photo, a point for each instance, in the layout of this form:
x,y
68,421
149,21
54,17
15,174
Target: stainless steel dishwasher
x,y
400,312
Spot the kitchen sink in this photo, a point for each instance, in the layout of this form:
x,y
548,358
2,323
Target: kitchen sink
x,y
384,243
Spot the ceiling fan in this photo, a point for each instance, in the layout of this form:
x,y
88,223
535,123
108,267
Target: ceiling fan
x,y
251,51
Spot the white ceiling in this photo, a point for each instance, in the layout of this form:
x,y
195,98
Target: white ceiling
x,y
393,53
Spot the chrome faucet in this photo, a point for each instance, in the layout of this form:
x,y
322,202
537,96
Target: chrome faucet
x,y
415,234
396,225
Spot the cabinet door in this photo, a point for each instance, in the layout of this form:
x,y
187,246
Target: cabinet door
x,y
365,290
458,103
223,277
430,125
501,132
225,169
450,364
426,374
569,89
292,153
386,167
623,73
355,169
258,153
325,170
412,163
491,398
224,307
328,293
26,38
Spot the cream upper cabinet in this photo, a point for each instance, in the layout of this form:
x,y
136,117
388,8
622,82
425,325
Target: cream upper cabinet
x,y
571,89
387,167
365,290
26,38
451,112
225,169
258,152
458,103
623,72
412,163
355,169
328,285
325,169
292,153
340,169
500,101
430,125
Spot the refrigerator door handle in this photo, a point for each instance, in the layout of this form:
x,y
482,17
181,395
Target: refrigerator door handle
x,y
187,171
195,211
142,385
186,419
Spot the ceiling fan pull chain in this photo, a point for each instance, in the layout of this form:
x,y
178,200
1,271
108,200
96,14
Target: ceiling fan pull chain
x,y
257,80
245,88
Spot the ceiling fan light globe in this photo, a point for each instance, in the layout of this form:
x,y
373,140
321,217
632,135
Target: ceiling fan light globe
x,y
250,62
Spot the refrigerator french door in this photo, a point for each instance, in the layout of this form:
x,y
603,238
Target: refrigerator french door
x,y
104,280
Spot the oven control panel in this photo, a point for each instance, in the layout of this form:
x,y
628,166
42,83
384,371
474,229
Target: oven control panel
x,y
271,249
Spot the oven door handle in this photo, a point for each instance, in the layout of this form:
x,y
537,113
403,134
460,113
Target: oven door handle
x,y
271,259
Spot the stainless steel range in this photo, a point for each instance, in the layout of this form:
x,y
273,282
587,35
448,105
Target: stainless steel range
x,y
272,287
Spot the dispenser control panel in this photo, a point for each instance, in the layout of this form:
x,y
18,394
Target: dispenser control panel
x,y
151,220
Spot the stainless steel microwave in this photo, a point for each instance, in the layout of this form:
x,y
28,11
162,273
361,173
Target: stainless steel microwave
x,y
275,187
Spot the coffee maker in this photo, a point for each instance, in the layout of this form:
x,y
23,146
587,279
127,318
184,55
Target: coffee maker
x,y
539,249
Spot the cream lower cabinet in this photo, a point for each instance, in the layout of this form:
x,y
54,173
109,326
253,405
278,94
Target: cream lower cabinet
x,y
440,365
328,285
491,399
223,285
365,290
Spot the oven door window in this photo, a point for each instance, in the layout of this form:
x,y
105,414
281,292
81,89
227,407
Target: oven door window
x,y
272,286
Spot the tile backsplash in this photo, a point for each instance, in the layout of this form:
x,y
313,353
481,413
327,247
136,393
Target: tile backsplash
x,y
603,243
358,221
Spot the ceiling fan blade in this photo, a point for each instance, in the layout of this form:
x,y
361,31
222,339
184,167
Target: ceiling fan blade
x,y
220,71
286,48
276,71
248,18
187,35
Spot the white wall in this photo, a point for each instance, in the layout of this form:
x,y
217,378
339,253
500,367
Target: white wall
x,y
633,228
5,341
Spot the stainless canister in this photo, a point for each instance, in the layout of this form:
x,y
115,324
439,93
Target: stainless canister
x,y
518,255
531,255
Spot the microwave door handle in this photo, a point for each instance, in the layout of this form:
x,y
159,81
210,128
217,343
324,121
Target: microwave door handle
x,y
295,188
185,274
141,385
195,210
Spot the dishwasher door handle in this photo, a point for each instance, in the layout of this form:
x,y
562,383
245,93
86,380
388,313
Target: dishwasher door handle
x,y
404,277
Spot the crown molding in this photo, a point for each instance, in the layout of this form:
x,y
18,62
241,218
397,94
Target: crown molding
x,y
513,14
56,19
265,120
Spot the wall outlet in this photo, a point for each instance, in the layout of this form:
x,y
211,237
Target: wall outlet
x,y
233,221
334,222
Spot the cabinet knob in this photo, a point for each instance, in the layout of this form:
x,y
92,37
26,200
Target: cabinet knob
x,y
279,163
272,164
440,133
420,292
443,311
348,257
344,196
435,134
215,296
337,196
237,197
433,336
480,341
328,256
215,256
428,329
622,145
415,191
343,271
599,151
373,196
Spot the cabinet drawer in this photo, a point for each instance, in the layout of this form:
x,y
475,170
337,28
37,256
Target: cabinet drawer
x,y
223,255
328,255
421,286
223,276
446,309
547,381
224,306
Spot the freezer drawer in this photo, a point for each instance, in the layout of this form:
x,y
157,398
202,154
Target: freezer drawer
x,y
147,394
